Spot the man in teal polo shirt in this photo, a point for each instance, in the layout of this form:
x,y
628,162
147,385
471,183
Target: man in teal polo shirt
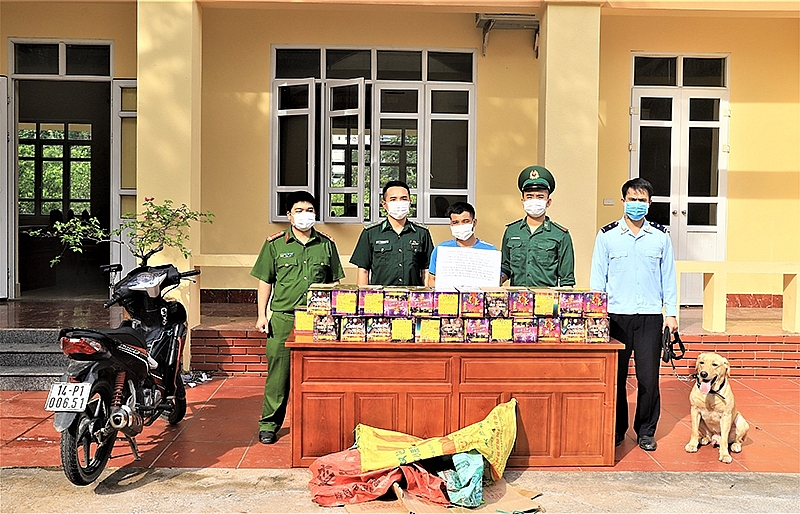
x,y
289,262
537,252
395,251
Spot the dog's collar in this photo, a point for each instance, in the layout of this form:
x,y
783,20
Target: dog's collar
x,y
711,390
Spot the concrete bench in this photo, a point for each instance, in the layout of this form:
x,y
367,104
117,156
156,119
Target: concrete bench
x,y
715,288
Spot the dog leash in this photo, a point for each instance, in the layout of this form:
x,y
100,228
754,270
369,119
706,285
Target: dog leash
x,y
668,355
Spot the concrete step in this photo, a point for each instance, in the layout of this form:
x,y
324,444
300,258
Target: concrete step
x,y
30,359
28,335
32,354
29,378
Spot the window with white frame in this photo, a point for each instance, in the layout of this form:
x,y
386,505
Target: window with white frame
x,y
346,121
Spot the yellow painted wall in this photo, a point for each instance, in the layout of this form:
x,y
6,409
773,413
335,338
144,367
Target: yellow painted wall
x,y
236,106
764,162
73,20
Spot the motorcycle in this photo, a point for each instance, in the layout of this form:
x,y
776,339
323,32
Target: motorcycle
x,y
123,379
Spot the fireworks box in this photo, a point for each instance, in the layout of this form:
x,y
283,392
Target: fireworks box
x,y
545,303
379,330
597,330
421,301
549,330
344,301
573,330
452,330
447,303
426,330
520,302
319,299
402,330
501,330
476,330
496,301
370,300
326,328
472,302
570,303
595,304
353,329
525,330
395,301
303,321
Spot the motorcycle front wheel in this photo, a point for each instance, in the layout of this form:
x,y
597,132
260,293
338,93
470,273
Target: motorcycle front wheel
x,y
84,451
179,405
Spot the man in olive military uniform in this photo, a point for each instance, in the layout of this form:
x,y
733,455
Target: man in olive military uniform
x,y
537,252
289,262
394,251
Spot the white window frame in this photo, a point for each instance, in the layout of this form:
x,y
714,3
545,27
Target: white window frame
x,y
119,253
62,59
471,142
326,190
6,182
424,117
376,194
277,113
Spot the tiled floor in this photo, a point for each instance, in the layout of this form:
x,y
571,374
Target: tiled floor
x,y
220,431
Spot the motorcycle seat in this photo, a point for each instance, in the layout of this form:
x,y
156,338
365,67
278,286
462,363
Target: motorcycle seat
x,y
123,334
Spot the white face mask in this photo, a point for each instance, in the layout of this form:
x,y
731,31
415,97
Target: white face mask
x,y
304,220
462,232
535,207
398,209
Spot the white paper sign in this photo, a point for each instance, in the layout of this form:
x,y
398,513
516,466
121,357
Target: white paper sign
x,y
457,266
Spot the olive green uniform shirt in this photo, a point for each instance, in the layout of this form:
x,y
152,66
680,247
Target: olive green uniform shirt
x,y
543,258
292,266
394,259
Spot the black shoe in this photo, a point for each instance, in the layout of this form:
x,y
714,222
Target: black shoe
x,y
618,438
647,443
267,437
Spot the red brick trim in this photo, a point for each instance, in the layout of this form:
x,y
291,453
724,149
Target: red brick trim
x,y
764,301
243,352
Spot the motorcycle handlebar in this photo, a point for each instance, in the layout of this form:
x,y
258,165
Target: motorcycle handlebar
x,y
114,299
190,273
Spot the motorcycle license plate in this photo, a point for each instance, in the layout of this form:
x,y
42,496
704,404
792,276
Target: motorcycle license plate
x,y
68,397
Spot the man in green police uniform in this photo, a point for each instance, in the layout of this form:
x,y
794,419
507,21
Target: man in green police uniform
x,y
537,251
289,262
396,251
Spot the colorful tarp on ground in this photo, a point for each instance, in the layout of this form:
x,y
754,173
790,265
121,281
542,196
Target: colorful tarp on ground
x,y
493,437
384,457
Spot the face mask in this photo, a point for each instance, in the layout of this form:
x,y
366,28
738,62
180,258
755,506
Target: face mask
x,y
399,209
535,207
462,232
636,210
304,220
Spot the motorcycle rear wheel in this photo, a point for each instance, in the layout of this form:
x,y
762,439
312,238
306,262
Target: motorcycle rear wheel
x,y
179,405
83,456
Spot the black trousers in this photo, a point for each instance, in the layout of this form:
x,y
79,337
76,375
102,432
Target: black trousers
x,y
641,335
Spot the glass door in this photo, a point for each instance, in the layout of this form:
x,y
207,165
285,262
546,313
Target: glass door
x,y
5,187
679,142
123,167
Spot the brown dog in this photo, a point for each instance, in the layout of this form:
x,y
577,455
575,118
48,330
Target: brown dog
x,y
714,415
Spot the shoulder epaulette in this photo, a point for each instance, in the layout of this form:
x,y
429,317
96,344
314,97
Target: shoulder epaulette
x,y
514,222
418,224
373,224
610,226
563,229
326,235
275,236
659,226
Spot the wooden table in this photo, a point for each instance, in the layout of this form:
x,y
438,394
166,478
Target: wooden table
x,y
566,394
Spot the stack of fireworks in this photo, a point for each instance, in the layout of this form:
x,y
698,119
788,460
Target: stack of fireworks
x,y
471,315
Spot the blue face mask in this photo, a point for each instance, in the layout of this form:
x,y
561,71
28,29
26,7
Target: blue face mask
x,y
636,210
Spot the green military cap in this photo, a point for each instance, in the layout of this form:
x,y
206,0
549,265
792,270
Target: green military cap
x,y
536,177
